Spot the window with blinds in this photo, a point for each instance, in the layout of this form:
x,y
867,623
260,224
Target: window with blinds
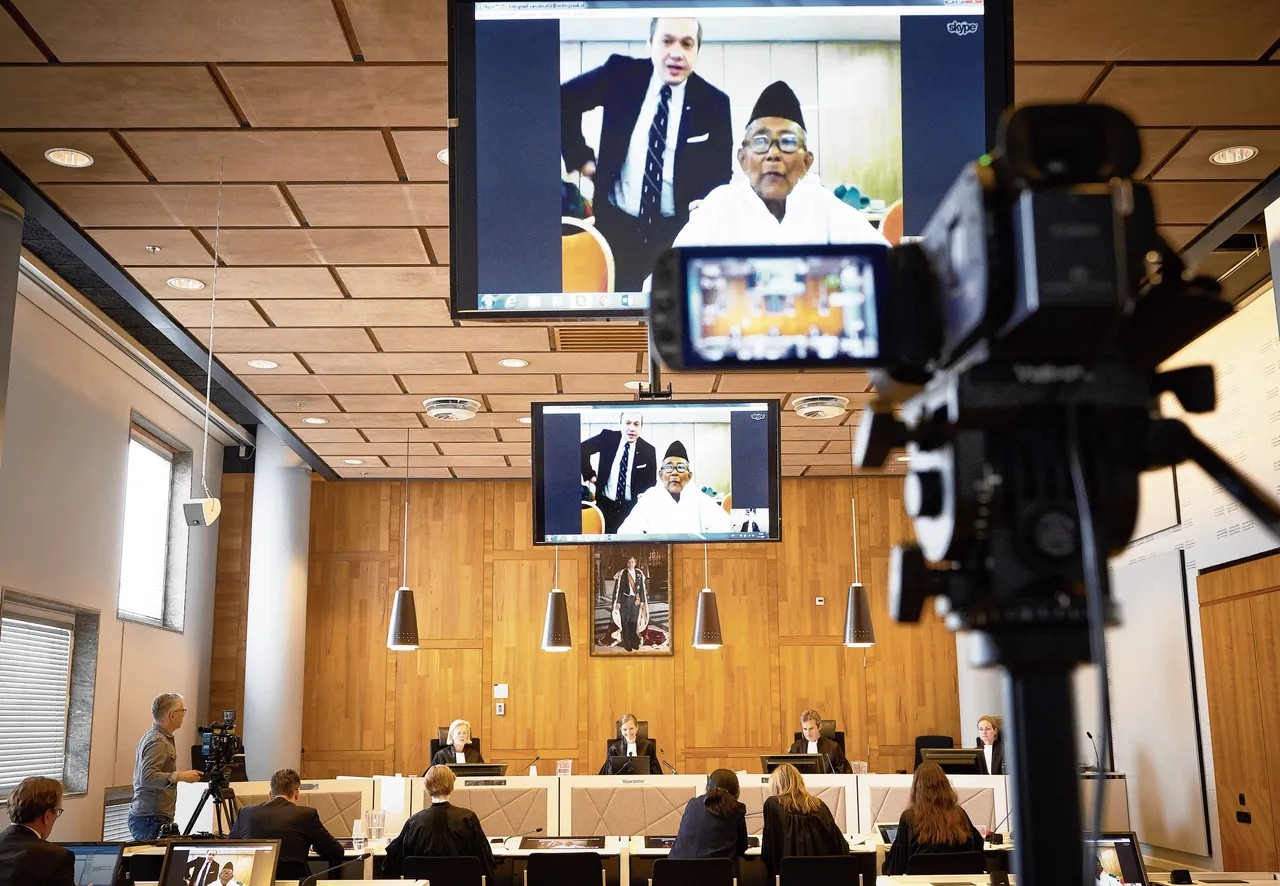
x,y
144,562
35,695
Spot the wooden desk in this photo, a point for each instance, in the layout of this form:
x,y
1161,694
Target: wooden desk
x,y
613,855
751,870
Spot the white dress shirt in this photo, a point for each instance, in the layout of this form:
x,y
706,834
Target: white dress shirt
x,y
631,749
619,488
626,192
696,513
813,747
460,756
986,752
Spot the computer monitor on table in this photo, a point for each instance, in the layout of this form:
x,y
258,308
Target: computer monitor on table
x,y
492,770
1119,854
888,831
638,765
808,764
97,864
252,862
954,761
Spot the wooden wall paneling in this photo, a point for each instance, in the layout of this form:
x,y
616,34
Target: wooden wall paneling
x,y
816,517
231,596
644,686
1239,752
352,517
446,560
433,688
345,690
830,679
1265,611
1249,577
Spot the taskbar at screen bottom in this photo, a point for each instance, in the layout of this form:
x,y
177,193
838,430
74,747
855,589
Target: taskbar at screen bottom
x,y
605,538
551,302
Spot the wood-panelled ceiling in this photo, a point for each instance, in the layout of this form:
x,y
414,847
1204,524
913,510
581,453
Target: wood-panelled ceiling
x,y
325,118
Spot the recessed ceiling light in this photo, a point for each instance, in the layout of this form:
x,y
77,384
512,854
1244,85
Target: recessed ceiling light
x,y
151,248
68,157
1233,155
190,284
353,461
264,364
443,156
315,420
513,363
524,420
632,385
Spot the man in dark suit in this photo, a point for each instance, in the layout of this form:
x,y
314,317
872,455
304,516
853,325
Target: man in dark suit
x,y
812,741
630,603
666,141
628,465
298,828
27,858
440,829
630,745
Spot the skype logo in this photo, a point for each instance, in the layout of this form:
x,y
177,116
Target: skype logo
x,y
962,29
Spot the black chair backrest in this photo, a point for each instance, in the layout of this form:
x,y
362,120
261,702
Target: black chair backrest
x,y
693,872
932,741
804,870
442,739
947,863
642,729
559,868
459,870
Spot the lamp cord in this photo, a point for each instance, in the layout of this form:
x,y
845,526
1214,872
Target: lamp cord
x,y
213,304
404,536
856,574
557,581
706,574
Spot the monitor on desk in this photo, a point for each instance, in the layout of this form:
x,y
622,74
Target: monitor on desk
x,y
659,842
1119,855
97,864
888,831
629,765
252,862
562,843
808,764
490,770
955,761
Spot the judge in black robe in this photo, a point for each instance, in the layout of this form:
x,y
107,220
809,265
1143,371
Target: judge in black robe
x,y
645,747
833,758
796,833
906,844
459,734
441,829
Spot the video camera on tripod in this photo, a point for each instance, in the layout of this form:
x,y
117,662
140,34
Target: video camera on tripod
x,y
1016,351
222,753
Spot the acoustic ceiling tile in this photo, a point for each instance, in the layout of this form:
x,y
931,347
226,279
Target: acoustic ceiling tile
x,y
1192,159
254,283
294,340
419,150
1194,95
396,31
251,155
488,338
380,205
110,163
161,206
270,383
239,363
230,313
129,247
321,246
368,95
420,281
433,385
111,97
384,364
358,312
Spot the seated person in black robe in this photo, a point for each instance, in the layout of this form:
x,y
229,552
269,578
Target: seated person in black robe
x,y
934,822
459,743
796,822
631,746
812,741
715,824
440,829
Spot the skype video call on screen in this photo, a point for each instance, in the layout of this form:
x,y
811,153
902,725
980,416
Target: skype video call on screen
x,y
893,95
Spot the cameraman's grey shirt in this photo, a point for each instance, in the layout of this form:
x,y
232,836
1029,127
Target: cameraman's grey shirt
x,y
154,790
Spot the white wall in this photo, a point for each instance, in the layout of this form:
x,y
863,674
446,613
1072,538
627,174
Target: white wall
x,y
62,486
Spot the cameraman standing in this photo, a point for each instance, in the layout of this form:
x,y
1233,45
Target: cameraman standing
x,y
155,775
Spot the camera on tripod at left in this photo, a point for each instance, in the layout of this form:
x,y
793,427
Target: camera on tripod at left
x,y
222,749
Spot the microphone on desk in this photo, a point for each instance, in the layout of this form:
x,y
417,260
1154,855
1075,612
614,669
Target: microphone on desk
x,y
994,838
532,763
663,759
1097,761
310,881
521,836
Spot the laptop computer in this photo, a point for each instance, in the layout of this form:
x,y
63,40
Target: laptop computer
x,y
97,864
629,765
252,862
1119,859
888,831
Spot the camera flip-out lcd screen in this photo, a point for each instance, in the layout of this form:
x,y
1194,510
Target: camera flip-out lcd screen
x,y
779,309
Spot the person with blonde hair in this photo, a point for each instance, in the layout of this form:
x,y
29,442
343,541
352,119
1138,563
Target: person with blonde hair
x,y
796,822
441,829
631,745
933,822
459,749
992,747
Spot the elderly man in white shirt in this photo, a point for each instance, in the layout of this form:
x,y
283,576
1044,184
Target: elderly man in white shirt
x,y
668,509
775,202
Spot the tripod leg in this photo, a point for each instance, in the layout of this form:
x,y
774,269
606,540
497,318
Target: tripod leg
x,y
204,798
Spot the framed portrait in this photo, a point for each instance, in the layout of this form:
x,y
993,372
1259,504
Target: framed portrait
x,y
631,599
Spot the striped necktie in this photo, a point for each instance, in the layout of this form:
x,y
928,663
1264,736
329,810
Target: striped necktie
x,y
651,190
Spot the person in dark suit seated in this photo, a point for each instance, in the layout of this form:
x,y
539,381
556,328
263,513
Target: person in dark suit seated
x,y
440,829
626,466
715,824
933,822
812,741
631,746
27,858
796,822
992,747
298,828
666,140
459,749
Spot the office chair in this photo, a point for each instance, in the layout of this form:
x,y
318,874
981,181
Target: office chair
x,y
827,728
592,519
891,224
947,863
932,741
586,260
459,870
293,870
442,739
692,872
559,868
804,870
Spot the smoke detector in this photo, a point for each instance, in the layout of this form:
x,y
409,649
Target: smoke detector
x,y
818,406
451,408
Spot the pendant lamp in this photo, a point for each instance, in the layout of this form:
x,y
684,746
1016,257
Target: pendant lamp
x,y
402,633
555,627
858,630
706,625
